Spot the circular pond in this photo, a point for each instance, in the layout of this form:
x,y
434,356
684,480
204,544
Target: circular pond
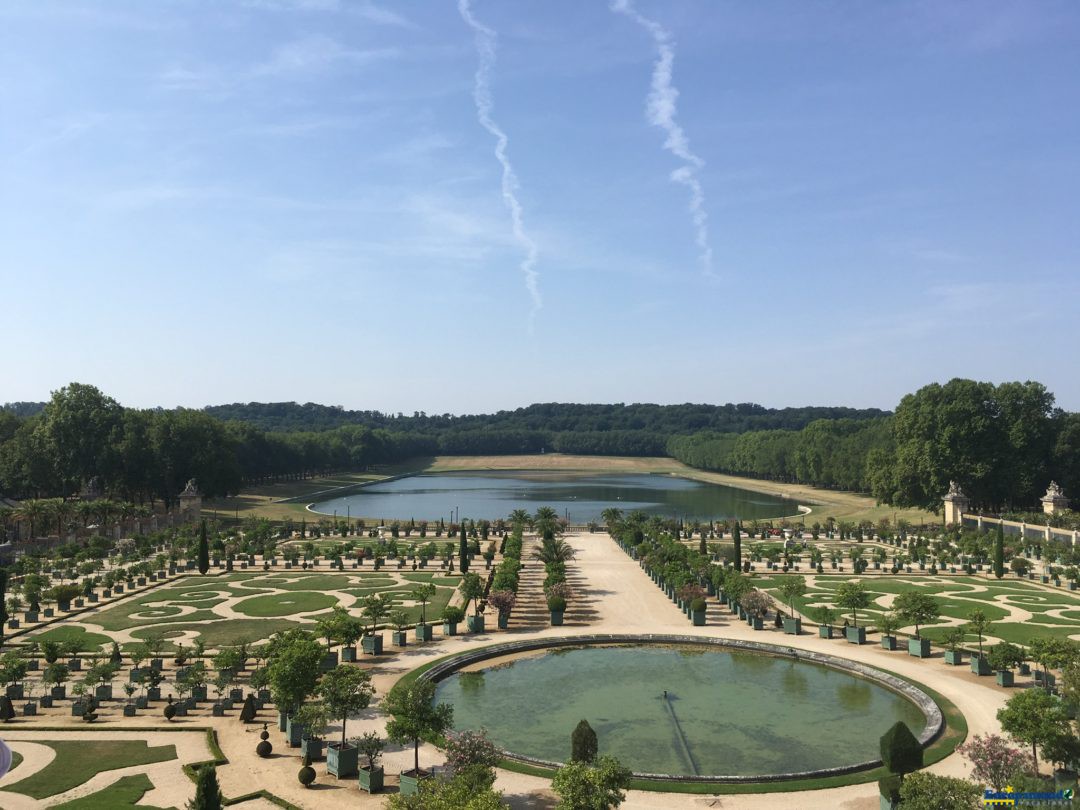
x,y
695,710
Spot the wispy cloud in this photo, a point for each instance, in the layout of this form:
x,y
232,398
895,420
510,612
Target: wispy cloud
x,y
485,46
367,11
317,52
661,112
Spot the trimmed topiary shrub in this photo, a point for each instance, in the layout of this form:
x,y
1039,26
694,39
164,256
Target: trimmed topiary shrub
x,y
900,751
698,605
583,745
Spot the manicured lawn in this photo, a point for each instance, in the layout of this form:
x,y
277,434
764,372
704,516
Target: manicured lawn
x,y
285,604
124,792
62,634
225,632
77,762
300,581
957,598
16,758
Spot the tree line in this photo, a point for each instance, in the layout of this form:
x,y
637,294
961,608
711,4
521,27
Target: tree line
x,y
1002,443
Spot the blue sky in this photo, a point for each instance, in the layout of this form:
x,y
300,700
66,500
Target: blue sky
x,y
205,202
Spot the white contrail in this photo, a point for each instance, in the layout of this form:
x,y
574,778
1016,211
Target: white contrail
x,y
485,46
660,112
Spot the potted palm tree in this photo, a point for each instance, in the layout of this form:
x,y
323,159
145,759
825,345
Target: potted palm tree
x,y
371,775
557,594
422,594
888,624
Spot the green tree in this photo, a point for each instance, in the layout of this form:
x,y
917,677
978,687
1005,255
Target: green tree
x,y
414,716
852,596
736,538
293,667
345,690
928,791
423,594
468,789
916,608
978,624
204,549
901,752
207,792
1035,717
600,786
463,550
472,589
999,552
583,743
791,588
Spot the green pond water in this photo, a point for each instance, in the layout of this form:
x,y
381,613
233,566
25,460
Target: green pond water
x,y
725,712
580,497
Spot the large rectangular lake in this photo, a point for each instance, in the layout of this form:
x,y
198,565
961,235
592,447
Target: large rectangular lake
x,y
580,497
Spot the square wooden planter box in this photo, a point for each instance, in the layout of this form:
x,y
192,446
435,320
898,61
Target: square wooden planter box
x,y
342,761
825,631
475,624
409,783
888,643
373,645
856,635
423,632
919,647
954,658
372,780
980,666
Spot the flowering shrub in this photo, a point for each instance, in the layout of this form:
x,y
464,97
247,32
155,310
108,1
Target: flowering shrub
x,y
502,601
558,590
471,748
994,762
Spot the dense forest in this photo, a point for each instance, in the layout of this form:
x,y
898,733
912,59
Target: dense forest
x,y
1002,443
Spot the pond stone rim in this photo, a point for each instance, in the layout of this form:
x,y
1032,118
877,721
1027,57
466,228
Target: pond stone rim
x,y
934,726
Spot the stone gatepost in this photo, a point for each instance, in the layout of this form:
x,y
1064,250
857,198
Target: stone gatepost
x,y
956,504
1054,500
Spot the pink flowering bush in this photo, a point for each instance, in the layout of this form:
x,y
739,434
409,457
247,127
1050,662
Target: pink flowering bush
x,y
467,748
502,601
995,762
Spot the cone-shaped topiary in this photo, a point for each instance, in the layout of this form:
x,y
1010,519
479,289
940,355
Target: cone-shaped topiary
x,y
7,710
207,792
900,751
170,710
247,714
583,743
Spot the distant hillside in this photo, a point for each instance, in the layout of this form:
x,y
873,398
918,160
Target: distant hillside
x,y
666,420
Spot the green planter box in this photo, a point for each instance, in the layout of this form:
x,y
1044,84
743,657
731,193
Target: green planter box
x,y
825,631
792,627
410,783
342,762
980,666
449,628
556,618
399,638
423,632
888,643
348,655
294,733
504,621
856,635
1005,677
698,618
954,658
372,780
373,645
757,623
329,661
919,647
312,748
475,624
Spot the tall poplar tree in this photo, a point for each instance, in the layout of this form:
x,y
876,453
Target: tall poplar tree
x,y
204,549
999,552
737,538
463,549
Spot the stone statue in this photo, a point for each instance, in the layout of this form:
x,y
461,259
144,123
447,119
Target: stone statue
x,y
954,489
190,488
1055,490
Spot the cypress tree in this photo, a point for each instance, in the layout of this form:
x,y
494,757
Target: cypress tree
x,y
207,792
247,714
463,550
737,539
204,549
999,552
703,549
583,745
3,600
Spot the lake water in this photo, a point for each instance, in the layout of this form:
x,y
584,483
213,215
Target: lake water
x,y
725,713
581,497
